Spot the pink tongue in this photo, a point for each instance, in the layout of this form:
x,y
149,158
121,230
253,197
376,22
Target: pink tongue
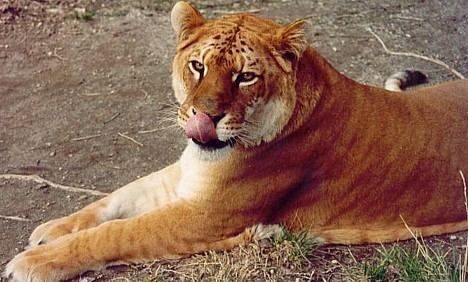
x,y
201,127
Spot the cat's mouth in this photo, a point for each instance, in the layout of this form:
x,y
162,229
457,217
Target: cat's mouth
x,y
214,144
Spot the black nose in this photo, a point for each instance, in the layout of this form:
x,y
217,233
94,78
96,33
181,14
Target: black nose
x,y
217,118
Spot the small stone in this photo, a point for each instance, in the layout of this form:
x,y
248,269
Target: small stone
x,y
80,10
82,197
52,153
53,10
453,237
334,261
42,186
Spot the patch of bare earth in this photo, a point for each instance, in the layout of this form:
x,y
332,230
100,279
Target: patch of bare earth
x,y
86,101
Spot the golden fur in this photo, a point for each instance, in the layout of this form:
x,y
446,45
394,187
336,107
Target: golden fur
x,y
308,148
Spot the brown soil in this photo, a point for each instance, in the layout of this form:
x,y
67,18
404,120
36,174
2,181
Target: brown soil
x,y
75,75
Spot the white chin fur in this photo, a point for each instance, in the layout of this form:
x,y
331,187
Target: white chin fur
x,y
194,151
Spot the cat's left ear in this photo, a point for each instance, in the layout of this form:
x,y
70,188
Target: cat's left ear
x,y
184,19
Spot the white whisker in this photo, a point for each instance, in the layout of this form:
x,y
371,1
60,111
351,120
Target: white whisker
x,y
173,126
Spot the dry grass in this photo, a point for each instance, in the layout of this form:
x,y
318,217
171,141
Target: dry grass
x,y
279,259
298,257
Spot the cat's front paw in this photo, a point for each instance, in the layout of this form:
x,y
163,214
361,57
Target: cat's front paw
x,y
32,265
51,262
49,231
56,228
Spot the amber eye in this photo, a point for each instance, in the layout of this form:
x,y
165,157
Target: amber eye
x,y
197,68
246,77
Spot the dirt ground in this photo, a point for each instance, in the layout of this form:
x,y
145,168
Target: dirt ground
x,y
78,78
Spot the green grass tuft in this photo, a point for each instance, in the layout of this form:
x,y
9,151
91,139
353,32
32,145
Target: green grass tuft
x,y
116,13
298,246
422,263
84,16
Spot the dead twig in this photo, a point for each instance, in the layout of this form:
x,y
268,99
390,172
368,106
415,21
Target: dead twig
x,y
38,179
15,218
85,137
130,139
57,55
226,12
408,54
92,94
407,18
145,92
464,267
464,192
112,118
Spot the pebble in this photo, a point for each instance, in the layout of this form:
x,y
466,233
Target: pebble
x,y
53,11
82,197
42,186
80,10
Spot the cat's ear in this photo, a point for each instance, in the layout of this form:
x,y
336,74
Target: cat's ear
x,y
289,43
184,19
